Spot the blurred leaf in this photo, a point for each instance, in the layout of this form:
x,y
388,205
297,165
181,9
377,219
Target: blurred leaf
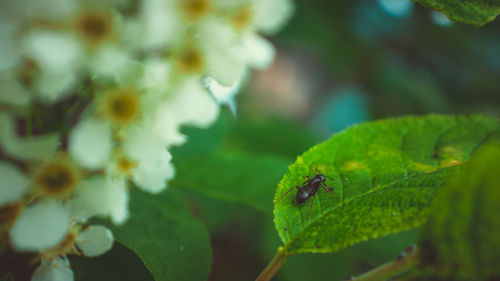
x,y
7,277
461,240
202,141
233,176
387,172
118,264
169,240
476,12
268,135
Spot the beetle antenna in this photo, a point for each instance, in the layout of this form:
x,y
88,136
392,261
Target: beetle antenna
x,y
330,178
285,195
318,171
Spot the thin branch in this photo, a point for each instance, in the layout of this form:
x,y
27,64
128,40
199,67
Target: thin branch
x,y
273,266
404,262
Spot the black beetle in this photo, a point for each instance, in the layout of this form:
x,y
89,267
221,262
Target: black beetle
x,y
309,188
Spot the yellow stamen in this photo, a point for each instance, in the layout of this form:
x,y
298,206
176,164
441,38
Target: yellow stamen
x,y
190,60
57,177
195,9
121,106
94,27
242,18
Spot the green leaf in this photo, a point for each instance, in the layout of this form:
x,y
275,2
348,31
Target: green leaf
x,y
120,263
7,277
461,240
386,173
476,12
169,240
233,176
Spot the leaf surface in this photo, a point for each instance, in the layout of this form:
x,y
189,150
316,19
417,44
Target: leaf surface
x,y
169,240
461,240
476,12
233,176
385,172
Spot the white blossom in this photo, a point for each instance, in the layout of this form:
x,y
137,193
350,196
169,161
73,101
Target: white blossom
x,y
94,240
53,269
40,226
13,184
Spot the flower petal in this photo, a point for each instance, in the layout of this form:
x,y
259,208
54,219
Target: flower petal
x,y
90,143
40,226
258,52
100,196
152,176
34,148
13,183
270,16
54,52
57,269
95,240
13,92
9,51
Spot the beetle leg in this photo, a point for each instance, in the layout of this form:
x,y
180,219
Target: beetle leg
x,y
308,179
324,186
298,187
330,178
310,208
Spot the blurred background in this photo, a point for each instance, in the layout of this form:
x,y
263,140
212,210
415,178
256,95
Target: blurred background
x,y
338,63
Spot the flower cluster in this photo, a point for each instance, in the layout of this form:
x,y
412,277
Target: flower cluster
x,y
119,78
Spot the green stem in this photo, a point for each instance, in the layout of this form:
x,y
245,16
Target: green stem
x,y
390,269
273,266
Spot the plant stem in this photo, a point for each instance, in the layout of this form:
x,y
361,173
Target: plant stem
x,y
390,269
273,266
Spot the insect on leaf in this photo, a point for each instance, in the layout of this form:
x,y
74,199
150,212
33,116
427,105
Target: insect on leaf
x,y
386,173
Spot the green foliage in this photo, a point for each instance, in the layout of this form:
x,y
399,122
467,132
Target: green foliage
x,y
239,160
233,176
386,172
461,240
476,12
169,240
7,277
118,264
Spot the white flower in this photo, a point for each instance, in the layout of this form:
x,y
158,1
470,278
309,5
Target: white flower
x,y
13,184
53,269
9,53
257,51
12,92
34,148
148,151
190,105
40,226
100,196
90,143
226,66
94,240
58,56
271,15
159,23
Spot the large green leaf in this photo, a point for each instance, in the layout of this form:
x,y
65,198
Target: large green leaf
x,y
169,240
477,12
233,176
386,172
118,264
461,240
